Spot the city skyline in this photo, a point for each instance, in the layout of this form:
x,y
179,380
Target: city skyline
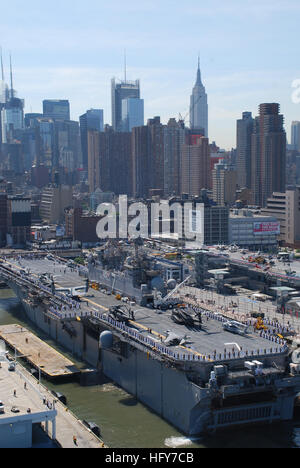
x,y
238,65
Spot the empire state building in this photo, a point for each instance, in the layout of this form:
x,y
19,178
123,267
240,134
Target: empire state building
x,y
199,107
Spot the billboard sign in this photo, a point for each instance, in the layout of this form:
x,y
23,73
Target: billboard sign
x,y
266,228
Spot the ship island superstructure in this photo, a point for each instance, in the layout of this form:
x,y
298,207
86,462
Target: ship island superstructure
x,y
195,367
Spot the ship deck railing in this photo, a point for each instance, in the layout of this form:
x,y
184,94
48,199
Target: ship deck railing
x,y
278,345
192,355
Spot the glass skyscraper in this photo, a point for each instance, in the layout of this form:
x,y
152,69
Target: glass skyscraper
x,y
12,118
56,109
92,120
119,92
132,113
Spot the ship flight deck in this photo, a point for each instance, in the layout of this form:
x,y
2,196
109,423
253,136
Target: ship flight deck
x,y
209,340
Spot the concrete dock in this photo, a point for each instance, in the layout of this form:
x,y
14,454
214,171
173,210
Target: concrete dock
x,y
39,354
22,408
20,390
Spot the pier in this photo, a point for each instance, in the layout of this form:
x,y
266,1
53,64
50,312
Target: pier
x,y
38,353
21,391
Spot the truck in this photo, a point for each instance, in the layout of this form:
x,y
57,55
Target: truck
x,y
285,256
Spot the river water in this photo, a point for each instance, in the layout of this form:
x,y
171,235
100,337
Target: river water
x,y
125,423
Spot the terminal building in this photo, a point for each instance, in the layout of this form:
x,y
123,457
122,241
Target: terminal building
x,y
252,231
286,207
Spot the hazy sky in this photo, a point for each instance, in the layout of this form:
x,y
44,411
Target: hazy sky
x,y
70,49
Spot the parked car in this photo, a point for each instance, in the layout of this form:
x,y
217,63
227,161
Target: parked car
x,y
15,409
12,366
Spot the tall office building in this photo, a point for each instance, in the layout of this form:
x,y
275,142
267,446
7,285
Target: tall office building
x,y
148,158
224,184
132,113
28,141
244,135
156,129
12,110
116,146
295,136
44,137
12,119
120,91
30,119
91,120
141,162
15,157
195,167
109,161
199,106
53,144
268,159
174,137
93,160
56,109
12,115
67,145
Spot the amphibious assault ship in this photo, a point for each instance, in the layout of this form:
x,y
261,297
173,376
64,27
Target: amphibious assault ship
x,y
187,364
129,271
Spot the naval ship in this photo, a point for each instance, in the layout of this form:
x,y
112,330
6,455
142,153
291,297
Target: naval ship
x,y
195,368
